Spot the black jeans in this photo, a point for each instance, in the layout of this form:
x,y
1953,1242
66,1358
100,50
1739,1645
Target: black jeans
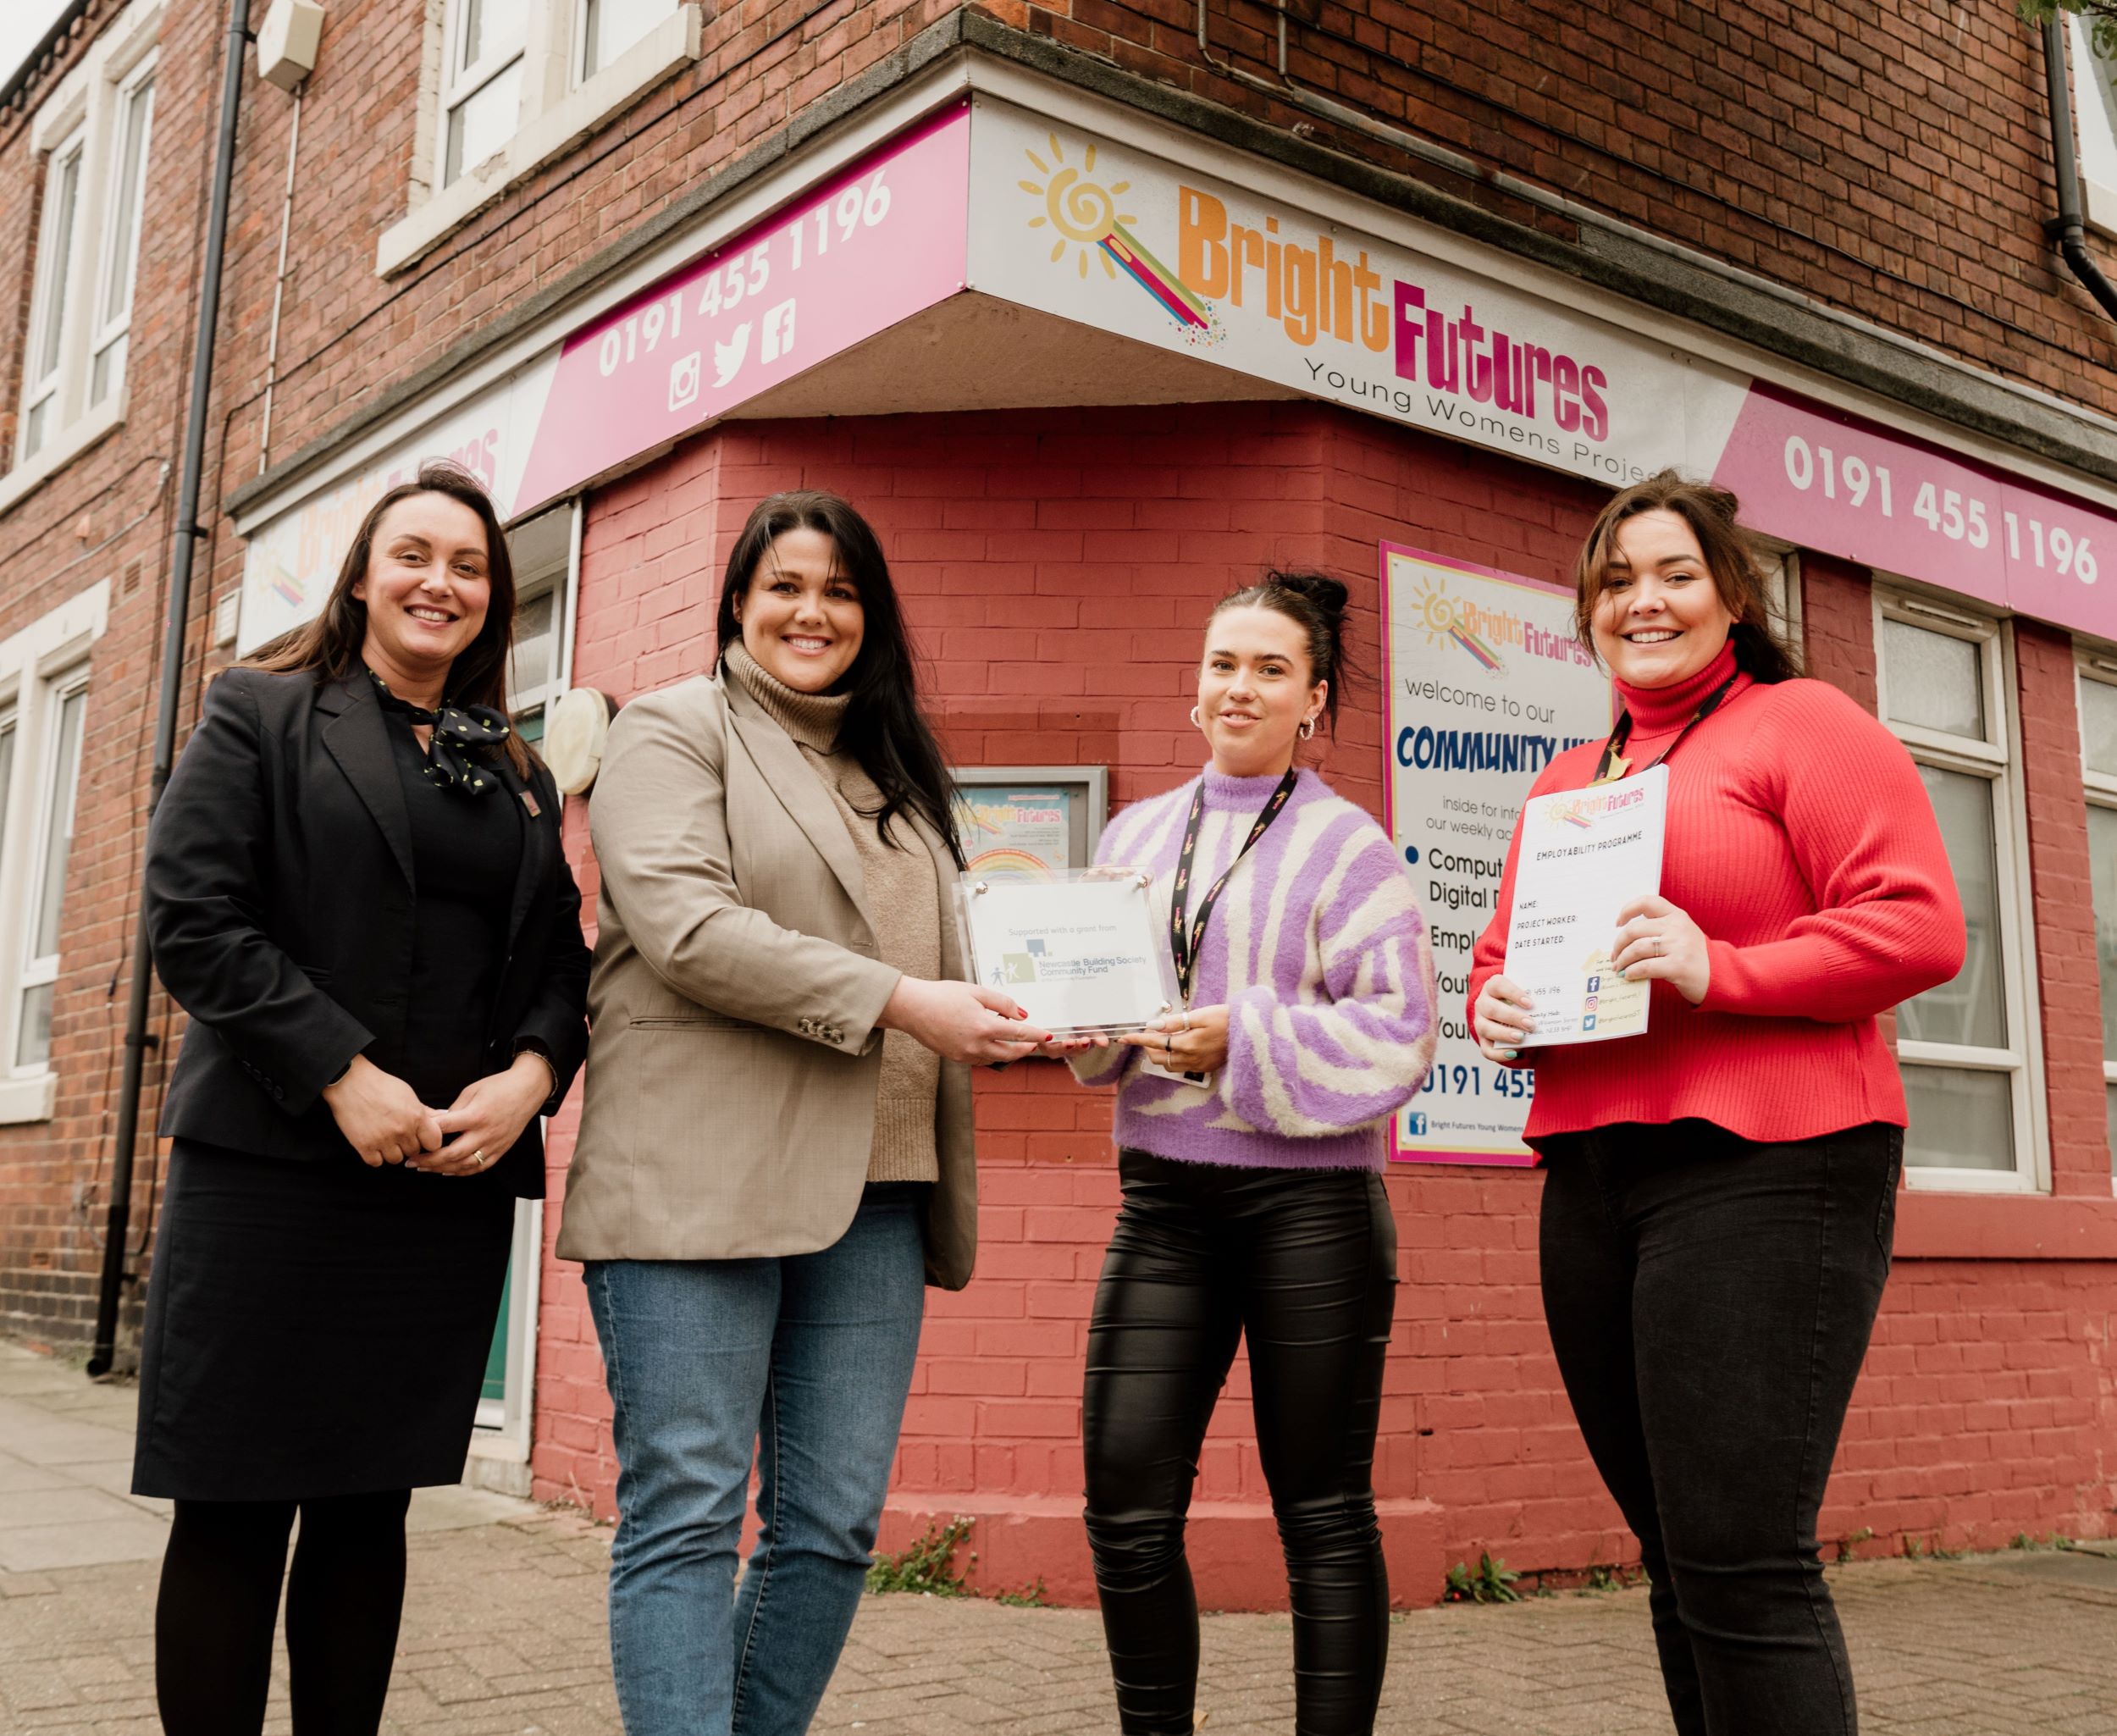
x,y
220,1600
1710,1299
1304,1263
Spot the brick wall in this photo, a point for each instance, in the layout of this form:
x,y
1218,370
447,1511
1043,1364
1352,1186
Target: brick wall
x,y
1877,159
108,515
1057,565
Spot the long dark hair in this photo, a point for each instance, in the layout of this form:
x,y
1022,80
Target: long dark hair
x,y
1731,556
1315,603
884,729
329,646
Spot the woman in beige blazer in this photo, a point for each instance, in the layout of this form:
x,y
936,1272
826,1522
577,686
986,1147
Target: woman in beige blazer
x,y
775,1155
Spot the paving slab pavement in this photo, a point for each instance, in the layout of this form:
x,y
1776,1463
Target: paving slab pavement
x,y
504,1629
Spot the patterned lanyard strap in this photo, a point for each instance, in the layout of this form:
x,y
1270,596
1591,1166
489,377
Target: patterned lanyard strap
x,y
1184,941
1610,767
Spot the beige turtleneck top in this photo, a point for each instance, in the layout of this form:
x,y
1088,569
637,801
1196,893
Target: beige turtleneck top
x,y
902,898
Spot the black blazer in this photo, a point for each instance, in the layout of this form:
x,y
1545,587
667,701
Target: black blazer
x,y
280,901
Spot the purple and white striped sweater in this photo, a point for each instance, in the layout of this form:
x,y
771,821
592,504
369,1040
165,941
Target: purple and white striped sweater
x,y
1319,951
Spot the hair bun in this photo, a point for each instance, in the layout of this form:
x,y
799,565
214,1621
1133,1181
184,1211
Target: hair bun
x,y
1327,594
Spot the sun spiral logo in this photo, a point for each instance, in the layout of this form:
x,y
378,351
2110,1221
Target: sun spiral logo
x,y
1084,214
1447,622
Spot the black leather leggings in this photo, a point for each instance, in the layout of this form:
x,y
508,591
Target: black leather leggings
x,y
1304,1263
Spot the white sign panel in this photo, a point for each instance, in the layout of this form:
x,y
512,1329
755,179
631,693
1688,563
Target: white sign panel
x,y
1487,686
1586,856
291,561
1129,243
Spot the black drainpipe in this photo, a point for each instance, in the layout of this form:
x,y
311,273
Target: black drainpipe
x,y
182,550
2066,228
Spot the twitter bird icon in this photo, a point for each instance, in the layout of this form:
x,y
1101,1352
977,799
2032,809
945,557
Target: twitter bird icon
x,y
727,358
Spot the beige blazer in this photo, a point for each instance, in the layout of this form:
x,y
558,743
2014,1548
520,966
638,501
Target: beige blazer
x,y
734,1055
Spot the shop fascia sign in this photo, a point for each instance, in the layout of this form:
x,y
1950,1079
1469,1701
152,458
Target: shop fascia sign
x,y
1096,231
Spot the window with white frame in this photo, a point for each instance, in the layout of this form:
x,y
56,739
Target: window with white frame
x,y
546,553
63,706
518,82
610,27
110,336
44,703
41,402
505,61
95,134
2099,771
1966,1048
2095,113
543,551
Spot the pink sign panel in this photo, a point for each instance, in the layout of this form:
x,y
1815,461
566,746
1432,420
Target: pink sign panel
x,y
875,244
1833,482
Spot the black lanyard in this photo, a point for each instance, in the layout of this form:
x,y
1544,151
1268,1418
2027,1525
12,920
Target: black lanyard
x,y
1622,733
1183,942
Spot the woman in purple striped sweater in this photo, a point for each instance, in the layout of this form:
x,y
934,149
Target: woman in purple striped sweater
x,y
1251,1134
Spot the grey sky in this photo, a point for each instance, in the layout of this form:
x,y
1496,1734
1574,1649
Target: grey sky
x,y
22,23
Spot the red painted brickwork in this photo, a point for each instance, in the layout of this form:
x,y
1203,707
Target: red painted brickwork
x,y
1056,565
1837,626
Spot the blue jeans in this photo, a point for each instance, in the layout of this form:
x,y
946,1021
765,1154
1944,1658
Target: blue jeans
x,y
803,1361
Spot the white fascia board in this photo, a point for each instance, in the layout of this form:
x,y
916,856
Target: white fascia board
x,y
813,161
1136,130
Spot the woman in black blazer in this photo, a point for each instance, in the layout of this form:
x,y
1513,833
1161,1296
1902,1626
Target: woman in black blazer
x,y
355,890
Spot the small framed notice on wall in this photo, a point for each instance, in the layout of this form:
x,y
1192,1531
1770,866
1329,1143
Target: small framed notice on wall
x,y
1030,822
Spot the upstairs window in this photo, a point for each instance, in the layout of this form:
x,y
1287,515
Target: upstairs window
x,y
94,136
511,84
507,61
610,27
40,380
482,93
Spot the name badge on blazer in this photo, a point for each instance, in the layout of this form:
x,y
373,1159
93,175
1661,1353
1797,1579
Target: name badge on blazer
x,y
530,801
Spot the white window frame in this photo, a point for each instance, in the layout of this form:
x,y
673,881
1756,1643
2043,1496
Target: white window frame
x,y
461,83
498,1456
52,273
1996,759
559,107
40,667
114,331
2095,125
36,970
84,112
2099,665
501,1443
565,584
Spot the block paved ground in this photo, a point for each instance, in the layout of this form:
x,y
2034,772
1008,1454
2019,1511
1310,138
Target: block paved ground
x,y
504,1635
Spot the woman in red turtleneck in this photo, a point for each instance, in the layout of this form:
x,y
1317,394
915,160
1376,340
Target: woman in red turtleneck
x,y
1719,1191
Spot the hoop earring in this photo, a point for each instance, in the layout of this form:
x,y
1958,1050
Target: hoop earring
x,y
1307,727
1195,723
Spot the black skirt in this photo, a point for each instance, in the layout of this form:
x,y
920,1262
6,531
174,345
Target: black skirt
x,y
314,1330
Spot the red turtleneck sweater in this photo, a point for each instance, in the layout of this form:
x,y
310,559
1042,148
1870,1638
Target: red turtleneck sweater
x,y
1801,841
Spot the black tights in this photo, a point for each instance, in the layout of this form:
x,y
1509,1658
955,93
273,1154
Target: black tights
x,y
220,1597
1304,1263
